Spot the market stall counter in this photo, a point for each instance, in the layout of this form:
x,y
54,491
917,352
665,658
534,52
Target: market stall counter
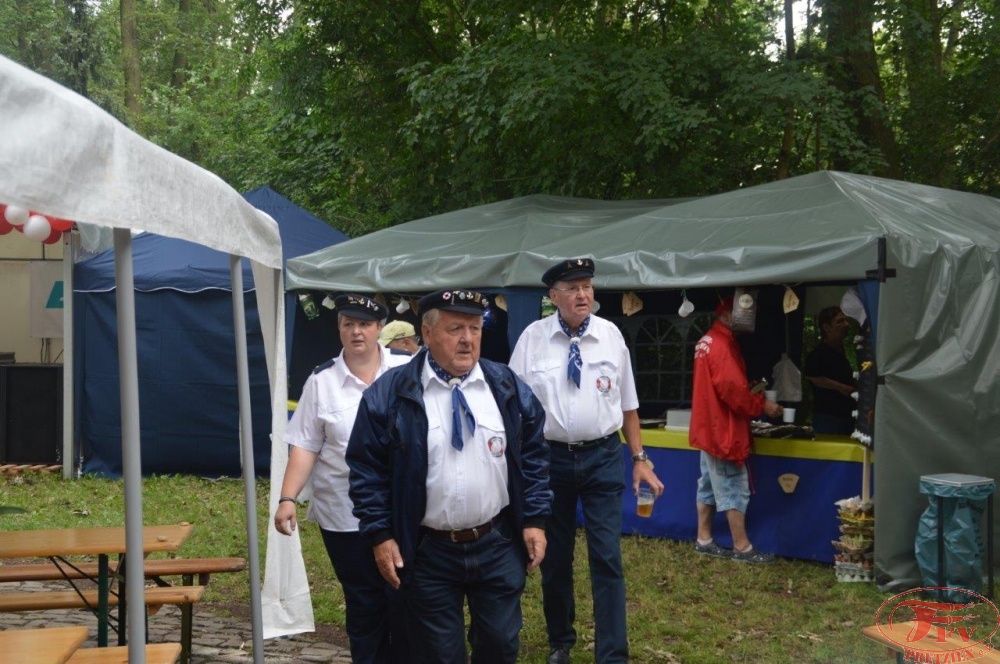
x,y
799,524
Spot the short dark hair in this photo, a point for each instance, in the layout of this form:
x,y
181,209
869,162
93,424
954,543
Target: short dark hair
x,y
826,317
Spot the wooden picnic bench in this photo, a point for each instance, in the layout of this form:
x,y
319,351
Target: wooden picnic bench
x,y
156,653
933,647
154,569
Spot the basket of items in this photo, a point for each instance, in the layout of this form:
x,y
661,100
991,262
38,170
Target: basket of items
x,y
855,548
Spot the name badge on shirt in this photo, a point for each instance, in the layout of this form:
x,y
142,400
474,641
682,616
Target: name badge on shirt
x,y
496,446
603,384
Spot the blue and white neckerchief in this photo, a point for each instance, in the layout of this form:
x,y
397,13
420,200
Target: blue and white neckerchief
x,y
575,368
458,403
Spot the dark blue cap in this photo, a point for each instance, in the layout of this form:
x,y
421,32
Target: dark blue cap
x,y
360,306
459,300
574,268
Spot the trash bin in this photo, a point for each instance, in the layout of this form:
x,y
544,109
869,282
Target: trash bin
x,y
949,544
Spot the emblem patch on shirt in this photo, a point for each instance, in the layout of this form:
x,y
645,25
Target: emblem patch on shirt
x,y
603,384
495,446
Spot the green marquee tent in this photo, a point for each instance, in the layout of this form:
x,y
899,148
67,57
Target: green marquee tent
x,y
934,255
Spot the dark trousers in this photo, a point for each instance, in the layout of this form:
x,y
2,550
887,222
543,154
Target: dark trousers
x,y
490,573
594,476
376,623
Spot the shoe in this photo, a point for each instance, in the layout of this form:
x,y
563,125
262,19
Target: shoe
x,y
559,656
753,556
712,549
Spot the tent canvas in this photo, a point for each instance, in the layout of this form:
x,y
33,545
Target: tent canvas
x,y
184,319
937,345
66,157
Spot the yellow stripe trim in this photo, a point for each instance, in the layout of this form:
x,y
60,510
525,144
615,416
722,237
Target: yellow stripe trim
x,y
825,447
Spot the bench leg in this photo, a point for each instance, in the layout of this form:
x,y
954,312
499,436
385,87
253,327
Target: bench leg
x,y
187,620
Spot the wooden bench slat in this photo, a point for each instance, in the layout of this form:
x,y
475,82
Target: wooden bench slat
x,y
156,653
151,568
68,599
928,644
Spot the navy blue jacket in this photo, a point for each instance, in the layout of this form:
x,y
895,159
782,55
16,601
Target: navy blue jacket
x,y
387,455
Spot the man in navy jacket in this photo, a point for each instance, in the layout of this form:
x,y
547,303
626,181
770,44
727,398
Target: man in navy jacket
x,y
450,482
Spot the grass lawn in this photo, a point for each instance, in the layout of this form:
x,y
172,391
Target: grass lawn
x,y
682,607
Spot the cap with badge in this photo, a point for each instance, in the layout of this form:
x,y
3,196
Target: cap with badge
x,y
359,306
397,329
574,268
460,301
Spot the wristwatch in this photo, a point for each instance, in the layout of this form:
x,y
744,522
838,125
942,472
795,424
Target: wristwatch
x,y
642,456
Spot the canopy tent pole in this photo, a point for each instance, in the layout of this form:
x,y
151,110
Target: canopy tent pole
x,y
128,376
246,448
68,408
866,476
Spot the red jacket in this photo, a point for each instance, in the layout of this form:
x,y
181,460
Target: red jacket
x,y
721,404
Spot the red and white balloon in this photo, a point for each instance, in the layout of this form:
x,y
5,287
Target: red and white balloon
x,y
35,226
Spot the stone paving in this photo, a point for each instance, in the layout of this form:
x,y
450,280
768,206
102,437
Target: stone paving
x,y
216,639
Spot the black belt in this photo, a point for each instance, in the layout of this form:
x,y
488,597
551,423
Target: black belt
x,y
466,534
582,444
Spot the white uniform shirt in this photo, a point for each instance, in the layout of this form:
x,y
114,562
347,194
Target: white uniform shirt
x,y
469,487
607,386
322,423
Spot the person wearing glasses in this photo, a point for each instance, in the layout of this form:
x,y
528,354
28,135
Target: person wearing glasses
x,y
400,335
579,367
317,436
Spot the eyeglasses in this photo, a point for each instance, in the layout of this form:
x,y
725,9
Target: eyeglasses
x,y
589,288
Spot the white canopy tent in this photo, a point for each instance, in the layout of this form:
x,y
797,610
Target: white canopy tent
x,y
63,156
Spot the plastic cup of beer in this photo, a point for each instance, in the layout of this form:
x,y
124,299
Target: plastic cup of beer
x,y
644,502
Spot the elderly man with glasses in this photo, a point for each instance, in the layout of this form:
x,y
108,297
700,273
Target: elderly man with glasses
x,y
579,367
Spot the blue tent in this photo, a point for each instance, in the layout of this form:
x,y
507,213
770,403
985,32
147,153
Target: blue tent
x,y
189,411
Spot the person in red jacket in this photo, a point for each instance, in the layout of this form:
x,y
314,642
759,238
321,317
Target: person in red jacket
x,y
722,406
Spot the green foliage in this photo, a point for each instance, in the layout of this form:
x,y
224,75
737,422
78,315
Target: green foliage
x,y
369,112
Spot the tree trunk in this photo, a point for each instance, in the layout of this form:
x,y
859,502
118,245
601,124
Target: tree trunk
x,y
854,70
788,136
130,61
178,74
927,121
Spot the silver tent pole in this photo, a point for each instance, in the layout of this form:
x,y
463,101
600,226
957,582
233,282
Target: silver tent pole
x,y
246,447
69,257
128,376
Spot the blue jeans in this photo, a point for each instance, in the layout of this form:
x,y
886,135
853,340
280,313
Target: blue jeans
x,y
595,477
376,626
489,572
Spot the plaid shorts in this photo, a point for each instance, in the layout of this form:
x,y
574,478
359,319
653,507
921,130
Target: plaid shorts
x,y
723,484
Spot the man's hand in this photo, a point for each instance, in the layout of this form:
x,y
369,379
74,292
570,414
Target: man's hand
x,y
284,518
772,409
388,560
642,473
534,540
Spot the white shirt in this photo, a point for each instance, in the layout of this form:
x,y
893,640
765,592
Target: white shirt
x,y
322,423
607,386
465,488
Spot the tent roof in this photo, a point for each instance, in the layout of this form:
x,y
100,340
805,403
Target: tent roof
x,y
64,156
472,247
823,226
171,263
